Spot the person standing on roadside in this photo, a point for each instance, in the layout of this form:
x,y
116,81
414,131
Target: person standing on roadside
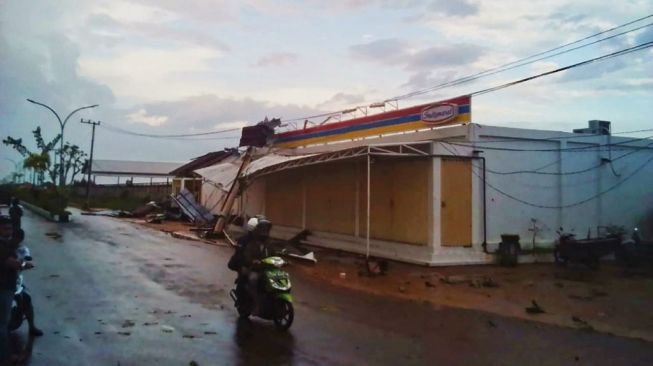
x,y
9,267
16,214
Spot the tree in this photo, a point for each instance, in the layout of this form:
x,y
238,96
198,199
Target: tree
x,y
36,163
74,159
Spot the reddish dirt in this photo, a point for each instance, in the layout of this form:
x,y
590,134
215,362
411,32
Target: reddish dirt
x,y
611,300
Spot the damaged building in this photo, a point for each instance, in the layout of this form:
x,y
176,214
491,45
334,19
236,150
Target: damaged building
x,y
426,185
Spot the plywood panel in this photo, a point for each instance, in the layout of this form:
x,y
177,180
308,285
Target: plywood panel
x,y
330,198
399,201
456,211
283,203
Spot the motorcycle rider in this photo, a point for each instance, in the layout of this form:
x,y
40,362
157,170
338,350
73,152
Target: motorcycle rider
x,y
252,247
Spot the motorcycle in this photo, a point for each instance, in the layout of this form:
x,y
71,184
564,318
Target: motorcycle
x,y
635,252
273,299
585,251
20,307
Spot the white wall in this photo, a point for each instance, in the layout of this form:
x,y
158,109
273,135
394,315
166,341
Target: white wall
x,y
628,201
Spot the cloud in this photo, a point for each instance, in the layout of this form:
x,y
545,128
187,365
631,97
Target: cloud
x,y
341,100
425,79
141,116
645,36
104,28
207,112
444,55
459,8
277,59
390,51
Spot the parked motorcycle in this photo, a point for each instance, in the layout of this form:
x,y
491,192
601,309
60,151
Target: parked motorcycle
x,y
20,307
273,299
635,251
585,251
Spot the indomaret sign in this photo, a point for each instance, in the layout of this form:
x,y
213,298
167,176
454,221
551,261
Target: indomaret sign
x,y
447,112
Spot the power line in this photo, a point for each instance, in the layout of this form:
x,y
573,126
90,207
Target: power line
x,y
537,171
561,137
639,47
597,147
578,203
518,63
327,114
127,132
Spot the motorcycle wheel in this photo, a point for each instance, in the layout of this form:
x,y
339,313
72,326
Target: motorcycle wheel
x,y
284,315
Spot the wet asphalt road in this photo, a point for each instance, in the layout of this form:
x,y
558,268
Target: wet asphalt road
x,y
114,293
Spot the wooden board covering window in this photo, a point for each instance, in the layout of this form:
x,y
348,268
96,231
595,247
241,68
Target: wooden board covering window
x,y
330,198
399,200
456,205
283,198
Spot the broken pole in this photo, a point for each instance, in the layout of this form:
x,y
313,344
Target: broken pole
x,y
90,161
369,166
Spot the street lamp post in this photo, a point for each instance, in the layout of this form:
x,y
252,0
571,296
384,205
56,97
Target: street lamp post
x,y
62,179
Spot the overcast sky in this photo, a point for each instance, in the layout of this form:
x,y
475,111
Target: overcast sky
x,y
162,66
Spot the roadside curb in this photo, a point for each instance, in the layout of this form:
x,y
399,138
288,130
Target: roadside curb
x,y
39,211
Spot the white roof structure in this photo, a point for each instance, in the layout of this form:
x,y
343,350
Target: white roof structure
x,y
133,168
220,175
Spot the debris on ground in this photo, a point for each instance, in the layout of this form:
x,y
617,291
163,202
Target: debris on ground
x,y
108,213
402,288
582,323
147,324
598,293
167,329
128,324
454,279
491,324
535,308
189,336
124,333
484,281
429,284
53,235
208,332
581,297
146,209
193,363
156,218
376,267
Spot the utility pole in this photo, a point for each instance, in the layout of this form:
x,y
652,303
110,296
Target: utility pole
x,y
90,161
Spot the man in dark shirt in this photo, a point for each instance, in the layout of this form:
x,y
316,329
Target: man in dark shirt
x,y
15,213
9,267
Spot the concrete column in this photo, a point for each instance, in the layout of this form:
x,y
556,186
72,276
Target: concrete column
x,y
562,166
435,232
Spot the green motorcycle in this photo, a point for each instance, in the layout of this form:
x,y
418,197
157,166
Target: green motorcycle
x,y
273,295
